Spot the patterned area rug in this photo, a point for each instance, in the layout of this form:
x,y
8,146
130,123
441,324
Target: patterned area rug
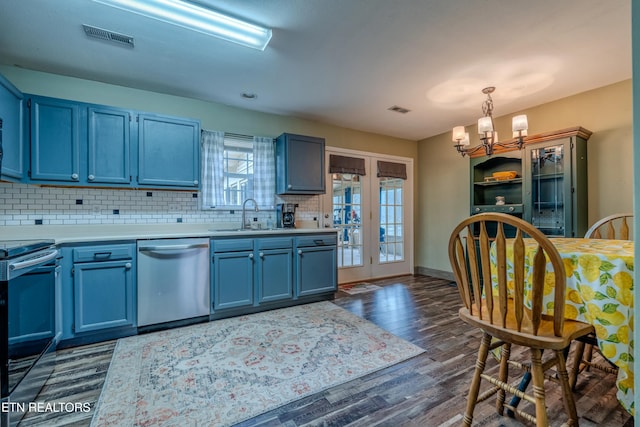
x,y
226,371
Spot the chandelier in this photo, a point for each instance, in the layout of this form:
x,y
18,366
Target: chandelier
x,y
489,137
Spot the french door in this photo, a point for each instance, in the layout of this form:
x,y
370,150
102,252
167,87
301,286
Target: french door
x,y
374,218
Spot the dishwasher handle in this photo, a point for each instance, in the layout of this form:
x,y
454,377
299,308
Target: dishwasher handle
x,y
172,247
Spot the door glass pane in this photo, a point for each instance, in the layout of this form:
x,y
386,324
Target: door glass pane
x,y
547,180
347,217
391,220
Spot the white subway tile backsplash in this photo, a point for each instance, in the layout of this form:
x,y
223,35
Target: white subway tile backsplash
x,y
22,204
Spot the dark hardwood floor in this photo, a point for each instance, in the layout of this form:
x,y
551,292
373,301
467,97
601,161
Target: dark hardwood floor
x,y
427,390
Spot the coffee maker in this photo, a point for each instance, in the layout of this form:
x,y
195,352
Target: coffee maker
x,y
286,215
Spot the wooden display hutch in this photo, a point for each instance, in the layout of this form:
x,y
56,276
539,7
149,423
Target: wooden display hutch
x,y
549,189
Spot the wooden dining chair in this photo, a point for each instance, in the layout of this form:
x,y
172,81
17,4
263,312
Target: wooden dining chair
x,y
614,226
504,315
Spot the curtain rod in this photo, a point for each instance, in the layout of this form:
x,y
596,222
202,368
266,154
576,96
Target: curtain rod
x,y
234,135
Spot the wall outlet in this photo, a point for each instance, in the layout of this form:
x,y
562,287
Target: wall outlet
x,y
95,209
174,208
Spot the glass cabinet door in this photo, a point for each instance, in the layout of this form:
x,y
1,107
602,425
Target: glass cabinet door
x,y
549,190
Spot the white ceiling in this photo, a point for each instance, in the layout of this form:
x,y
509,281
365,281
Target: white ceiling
x,y
344,62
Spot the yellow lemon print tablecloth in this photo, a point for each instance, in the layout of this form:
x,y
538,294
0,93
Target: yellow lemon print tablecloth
x,y
600,292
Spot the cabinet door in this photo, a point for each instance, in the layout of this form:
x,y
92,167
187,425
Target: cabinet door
x,y
55,140
103,295
108,146
11,113
549,187
299,165
232,279
168,151
275,278
316,270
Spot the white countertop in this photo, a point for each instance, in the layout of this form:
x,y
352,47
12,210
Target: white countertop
x,y
106,232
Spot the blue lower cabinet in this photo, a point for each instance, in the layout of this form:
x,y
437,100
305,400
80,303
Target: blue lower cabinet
x,y
275,274
316,266
251,272
103,295
232,276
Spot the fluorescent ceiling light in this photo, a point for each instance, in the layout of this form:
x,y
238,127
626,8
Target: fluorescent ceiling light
x,y
197,18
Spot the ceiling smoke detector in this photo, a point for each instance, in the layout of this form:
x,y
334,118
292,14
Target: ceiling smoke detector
x,y
111,36
397,109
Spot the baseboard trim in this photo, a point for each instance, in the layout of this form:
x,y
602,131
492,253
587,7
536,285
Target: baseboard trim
x,y
440,274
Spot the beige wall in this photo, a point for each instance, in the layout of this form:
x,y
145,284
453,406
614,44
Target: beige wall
x,y
443,177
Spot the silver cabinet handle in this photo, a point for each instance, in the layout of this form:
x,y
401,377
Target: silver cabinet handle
x,y
74,176
511,208
195,182
299,251
289,186
91,177
127,265
261,254
250,256
102,255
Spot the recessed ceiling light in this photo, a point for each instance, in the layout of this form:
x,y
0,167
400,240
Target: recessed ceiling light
x,y
247,95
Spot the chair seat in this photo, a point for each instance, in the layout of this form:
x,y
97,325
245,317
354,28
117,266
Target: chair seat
x,y
545,339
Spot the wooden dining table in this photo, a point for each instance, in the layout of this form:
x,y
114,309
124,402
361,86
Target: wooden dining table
x,y
599,291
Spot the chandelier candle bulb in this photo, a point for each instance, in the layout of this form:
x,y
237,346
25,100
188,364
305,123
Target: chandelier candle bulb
x,y
458,133
485,125
519,123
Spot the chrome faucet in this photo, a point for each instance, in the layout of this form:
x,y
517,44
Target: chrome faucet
x,y
244,213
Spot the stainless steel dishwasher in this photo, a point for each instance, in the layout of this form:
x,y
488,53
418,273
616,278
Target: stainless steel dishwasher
x,y
173,280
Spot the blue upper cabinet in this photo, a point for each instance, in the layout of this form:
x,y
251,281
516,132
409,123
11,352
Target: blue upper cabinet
x,y
74,143
299,164
168,151
109,155
11,114
55,140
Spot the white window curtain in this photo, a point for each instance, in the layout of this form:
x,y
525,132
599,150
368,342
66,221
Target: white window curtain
x,y
264,171
212,191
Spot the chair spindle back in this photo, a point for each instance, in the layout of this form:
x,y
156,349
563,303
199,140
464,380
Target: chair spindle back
x,y
470,249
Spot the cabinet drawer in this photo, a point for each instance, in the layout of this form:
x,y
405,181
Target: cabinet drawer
x,y
321,240
510,209
103,253
232,245
275,243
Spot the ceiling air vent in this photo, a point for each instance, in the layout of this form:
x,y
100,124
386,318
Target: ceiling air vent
x,y
398,109
99,33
